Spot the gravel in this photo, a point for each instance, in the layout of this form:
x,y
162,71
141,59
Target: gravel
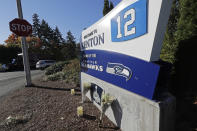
x,y
49,106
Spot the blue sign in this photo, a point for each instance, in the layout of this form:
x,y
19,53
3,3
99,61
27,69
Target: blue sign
x,y
130,22
127,72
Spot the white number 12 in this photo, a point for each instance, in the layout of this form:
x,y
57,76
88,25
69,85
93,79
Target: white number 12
x,y
127,32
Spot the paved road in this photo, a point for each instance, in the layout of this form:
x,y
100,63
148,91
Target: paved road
x,y
10,81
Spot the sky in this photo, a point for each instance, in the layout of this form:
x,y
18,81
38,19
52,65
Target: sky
x,y
73,15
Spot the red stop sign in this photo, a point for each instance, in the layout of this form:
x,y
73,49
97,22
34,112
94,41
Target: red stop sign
x,y
20,27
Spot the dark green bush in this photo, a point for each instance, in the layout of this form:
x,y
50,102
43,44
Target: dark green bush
x,y
55,77
55,68
68,71
71,72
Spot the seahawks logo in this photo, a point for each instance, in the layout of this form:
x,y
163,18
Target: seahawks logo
x,y
119,69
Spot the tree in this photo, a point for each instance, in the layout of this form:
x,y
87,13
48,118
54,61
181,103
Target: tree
x,y
58,36
36,25
13,40
187,23
111,6
69,50
184,73
182,25
106,7
169,44
70,38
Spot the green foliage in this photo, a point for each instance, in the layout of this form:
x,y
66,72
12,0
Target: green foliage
x,y
180,46
187,23
106,7
111,6
169,44
69,73
70,38
54,77
58,36
69,49
169,49
55,68
36,26
182,25
53,45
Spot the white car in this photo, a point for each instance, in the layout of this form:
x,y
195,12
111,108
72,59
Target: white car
x,y
41,64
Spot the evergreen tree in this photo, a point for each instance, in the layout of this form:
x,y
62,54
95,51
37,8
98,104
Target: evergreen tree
x,y
187,23
182,25
58,36
69,50
36,25
70,38
111,6
46,32
185,38
106,7
169,44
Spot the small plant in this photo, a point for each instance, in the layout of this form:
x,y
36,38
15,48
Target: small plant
x,y
68,71
55,68
55,77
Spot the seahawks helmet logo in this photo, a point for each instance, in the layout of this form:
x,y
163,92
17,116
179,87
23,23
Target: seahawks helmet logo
x,y
119,69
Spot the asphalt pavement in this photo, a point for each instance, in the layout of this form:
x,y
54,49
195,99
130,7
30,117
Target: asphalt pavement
x,y
10,81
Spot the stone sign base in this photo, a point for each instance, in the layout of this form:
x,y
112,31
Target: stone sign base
x,y
130,111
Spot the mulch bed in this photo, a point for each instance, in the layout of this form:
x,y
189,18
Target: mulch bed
x,y
49,106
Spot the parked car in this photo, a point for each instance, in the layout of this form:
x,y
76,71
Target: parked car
x,y
42,64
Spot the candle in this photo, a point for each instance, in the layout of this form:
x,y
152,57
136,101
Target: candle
x,y
80,111
72,91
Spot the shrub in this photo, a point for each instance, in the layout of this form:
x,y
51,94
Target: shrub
x,y
55,68
55,77
71,72
68,71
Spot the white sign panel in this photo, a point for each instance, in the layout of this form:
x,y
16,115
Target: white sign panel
x,y
134,27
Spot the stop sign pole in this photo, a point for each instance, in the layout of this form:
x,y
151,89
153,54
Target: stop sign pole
x,y
24,49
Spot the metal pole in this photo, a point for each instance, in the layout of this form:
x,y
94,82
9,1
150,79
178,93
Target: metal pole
x,y
24,49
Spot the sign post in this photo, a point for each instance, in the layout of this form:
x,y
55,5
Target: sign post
x,y
24,48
